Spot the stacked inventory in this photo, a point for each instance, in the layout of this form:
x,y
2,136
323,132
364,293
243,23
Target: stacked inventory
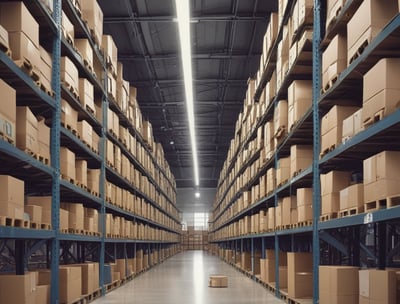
x,y
192,239
312,168
81,173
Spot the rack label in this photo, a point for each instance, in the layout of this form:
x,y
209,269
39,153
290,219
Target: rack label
x,y
368,218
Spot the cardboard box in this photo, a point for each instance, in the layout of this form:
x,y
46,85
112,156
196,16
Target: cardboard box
x,y
338,284
67,163
301,157
69,74
8,112
81,171
93,179
383,94
282,170
333,8
42,294
75,215
69,116
334,59
288,203
380,190
12,190
27,130
334,181
281,119
352,196
110,52
86,95
92,13
68,29
85,49
64,219
18,288
352,125
85,130
331,126
15,17
283,277
299,266
43,139
304,196
271,218
367,22
378,286
90,277
299,100
11,210
45,68
304,213
34,212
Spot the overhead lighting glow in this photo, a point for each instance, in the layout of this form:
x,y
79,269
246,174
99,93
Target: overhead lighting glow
x,y
183,14
197,194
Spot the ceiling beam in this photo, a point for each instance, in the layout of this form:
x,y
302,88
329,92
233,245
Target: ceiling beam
x,y
149,82
199,103
193,19
204,56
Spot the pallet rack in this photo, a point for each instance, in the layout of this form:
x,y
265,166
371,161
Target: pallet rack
x,y
42,179
337,240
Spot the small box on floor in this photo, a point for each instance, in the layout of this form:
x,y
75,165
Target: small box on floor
x,y
218,281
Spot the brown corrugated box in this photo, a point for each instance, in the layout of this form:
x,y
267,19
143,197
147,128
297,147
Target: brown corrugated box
x,y
333,8
75,217
18,288
283,170
84,47
334,181
43,138
85,130
301,157
381,92
93,179
64,219
67,163
90,277
45,68
69,73
281,119
338,284
86,94
8,115
42,294
34,212
11,190
334,59
69,116
15,17
352,125
378,286
300,265
92,13
67,28
367,22
27,130
299,100
352,196
81,171
288,203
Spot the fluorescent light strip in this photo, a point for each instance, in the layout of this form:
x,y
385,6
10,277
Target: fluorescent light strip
x,y
183,14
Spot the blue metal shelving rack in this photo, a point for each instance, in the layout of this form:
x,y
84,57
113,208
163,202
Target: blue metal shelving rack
x,y
322,231
50,175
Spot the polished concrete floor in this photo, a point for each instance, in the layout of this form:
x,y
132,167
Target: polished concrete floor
x,y
183,279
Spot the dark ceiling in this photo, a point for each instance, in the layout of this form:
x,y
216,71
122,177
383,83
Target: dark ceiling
x,y
226,45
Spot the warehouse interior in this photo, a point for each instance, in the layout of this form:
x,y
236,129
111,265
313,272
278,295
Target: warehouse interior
x,y
239,151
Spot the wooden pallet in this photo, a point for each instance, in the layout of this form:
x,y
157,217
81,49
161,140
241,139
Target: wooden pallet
x,y
68,38
280,132
78,301
6,138
375,205
26,66
70,89
89,67
333,21
375,118
303,224
77,7
351,211
68,179
46,90
75,231
360,49
44,160
90,110
5,48
92,296
70,128
45,226
64,231
330,83
31,153
328,217
327,150
284,182
393,201
94,193
299,301
297,172
110,67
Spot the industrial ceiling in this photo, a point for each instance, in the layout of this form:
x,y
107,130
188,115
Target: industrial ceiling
x,y
227,40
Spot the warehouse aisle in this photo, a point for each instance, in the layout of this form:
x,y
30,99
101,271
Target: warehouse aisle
x,y
183,279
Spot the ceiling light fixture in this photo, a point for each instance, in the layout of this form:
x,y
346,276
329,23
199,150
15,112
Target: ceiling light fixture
x,y
183,14
197,194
